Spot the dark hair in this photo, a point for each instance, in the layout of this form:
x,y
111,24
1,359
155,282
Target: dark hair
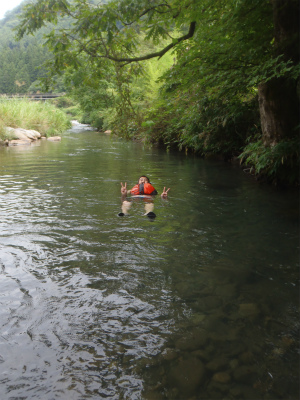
x,y
144,176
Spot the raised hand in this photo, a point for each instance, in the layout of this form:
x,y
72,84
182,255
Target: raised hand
x,y
165,193
124,188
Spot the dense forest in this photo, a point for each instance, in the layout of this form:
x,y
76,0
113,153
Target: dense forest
x,y
215,78
20,61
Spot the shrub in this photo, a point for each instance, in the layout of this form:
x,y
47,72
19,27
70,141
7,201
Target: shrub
x,y
278,163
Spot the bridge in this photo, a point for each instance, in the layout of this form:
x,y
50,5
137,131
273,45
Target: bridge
x,y
31,96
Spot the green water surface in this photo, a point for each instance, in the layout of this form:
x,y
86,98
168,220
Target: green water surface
x,y
200,303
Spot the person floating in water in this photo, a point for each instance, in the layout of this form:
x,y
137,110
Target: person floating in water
x,y
142,188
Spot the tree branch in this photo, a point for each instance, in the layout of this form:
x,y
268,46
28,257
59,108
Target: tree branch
x,y
160,53
155,8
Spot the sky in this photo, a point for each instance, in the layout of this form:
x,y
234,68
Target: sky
x,y
8,6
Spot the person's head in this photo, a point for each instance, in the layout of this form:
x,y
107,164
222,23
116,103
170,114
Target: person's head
x,y
144,179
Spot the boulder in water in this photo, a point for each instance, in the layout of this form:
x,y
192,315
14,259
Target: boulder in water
x,y
54,138
187,375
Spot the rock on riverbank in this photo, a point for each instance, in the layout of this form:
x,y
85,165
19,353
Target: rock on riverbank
x,y
24,137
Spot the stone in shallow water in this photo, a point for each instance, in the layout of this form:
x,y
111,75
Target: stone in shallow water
x,y
20,132
245,374
208,303
226,290
197,318
217,364
193,340
187,375
54,138
221,377
169,354
234,363
23,134
20,135
35,133
247,357
248,310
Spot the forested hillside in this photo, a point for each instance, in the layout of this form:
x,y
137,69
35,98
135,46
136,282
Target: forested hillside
x,y
19,60
217,77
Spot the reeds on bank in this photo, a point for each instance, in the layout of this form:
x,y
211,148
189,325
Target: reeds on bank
x,y
41,116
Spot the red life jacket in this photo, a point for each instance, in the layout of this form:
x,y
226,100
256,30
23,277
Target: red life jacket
x,y
143,188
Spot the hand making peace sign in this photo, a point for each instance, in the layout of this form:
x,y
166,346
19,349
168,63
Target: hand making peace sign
x,y
165,192
124,188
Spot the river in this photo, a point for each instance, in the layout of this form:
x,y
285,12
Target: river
x,y
201,302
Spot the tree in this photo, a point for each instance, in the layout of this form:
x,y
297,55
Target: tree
x,y
112,31
7,77
19,61
278,97
227,53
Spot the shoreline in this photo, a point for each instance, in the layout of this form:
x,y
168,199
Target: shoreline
x,y
24,137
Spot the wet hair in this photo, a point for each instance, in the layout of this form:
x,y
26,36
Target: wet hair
x,y
144,176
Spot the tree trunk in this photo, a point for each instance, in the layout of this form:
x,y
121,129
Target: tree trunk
x,y
279,110
278,98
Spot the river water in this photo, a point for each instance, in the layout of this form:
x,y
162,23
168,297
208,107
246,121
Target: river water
x,y
201,302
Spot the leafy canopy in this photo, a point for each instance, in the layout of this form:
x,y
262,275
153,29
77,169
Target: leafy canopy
x,y
222,50
227,41
108,31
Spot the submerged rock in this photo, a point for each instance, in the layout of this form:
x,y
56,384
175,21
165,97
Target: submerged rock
x,y
217,364
187,375
54,138
193,340
249,310
169,354
221,377
245,374
247,357
208,303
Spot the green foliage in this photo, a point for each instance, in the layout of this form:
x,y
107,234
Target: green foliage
x,y
41,116
183,73
19,67
69,106
92,89
20,61
63,102
5,134
279,163
220,128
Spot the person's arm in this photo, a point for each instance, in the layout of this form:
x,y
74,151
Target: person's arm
x,y
164,194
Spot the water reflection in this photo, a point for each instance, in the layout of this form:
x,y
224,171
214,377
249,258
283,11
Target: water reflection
x,y
200,303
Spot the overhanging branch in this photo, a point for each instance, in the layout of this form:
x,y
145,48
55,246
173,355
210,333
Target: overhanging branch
x,y
160,53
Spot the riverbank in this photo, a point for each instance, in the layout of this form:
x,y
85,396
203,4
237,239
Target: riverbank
x,y
27,121
20,136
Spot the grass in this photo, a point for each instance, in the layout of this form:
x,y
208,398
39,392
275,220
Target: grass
x,y
70,107
43,117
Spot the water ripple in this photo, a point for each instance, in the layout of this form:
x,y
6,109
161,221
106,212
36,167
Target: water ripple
x,y
97,306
